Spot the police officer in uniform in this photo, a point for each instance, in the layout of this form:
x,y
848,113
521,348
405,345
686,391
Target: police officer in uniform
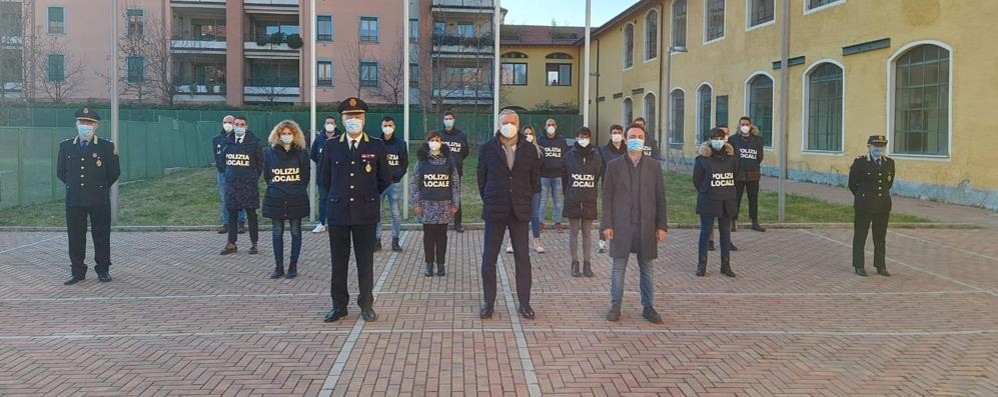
x,y
355,171
871,177
87,195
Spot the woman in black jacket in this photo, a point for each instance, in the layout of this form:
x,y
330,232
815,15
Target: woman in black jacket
x,y
714,178
584,168
243,165
286,170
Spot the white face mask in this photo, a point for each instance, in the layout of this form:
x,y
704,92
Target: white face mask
x,y
330,127
584,142
287,139
617,138
353,126
745,129
508,130
227,127
530,138
550,130
434,146
387,130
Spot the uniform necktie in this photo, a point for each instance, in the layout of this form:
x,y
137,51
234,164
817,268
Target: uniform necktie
x,y
84,144
353,145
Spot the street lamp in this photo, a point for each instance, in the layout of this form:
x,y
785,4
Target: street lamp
x,y
667,90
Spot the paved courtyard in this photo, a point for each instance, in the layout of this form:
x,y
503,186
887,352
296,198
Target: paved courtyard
x,y
181,320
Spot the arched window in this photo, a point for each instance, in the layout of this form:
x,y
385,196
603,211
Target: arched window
x,y
704,94
921,101
649,113
823,108
558,55
627,111
677,121
628,45
514,54
759,105
679,23
651,35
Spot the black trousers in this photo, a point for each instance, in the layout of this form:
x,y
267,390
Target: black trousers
x,y
233,227
861,226
363,251
100,229
519,234
753,198
457,216
435,243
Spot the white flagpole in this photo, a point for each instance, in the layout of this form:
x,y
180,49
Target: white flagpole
x,y
585,66
312,189
405,102
114,101
496,16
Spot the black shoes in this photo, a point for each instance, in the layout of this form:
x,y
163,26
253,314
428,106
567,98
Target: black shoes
x,y
860,272
734,225
726,267
758,228
613,314
377,246
395,245
277,273
242,228
292,271
73,280
710,245
701,266
429,269
440,270
651,315
253,250
335,314
575,269
883,271
368,314
526,312
228,250
486,312
459,228
587,269
223,229
732,247
104,277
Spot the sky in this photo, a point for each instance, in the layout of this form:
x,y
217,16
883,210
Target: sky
x,y
564,12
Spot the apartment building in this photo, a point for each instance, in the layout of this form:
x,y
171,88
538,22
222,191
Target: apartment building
x,y
540,67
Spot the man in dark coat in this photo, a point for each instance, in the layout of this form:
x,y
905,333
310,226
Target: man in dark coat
x,y
555,147
243,167
634,219
398,159
329,131
871,178
88,195
457,142
651,145
355,171
508,175
218,145
614,148
748,147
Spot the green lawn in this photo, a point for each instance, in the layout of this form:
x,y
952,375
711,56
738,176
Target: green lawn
x,y
190,198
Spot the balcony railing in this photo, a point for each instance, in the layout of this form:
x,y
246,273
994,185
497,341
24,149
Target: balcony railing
x,y
463,92
471,4
201,89
461,44
282,3
273,82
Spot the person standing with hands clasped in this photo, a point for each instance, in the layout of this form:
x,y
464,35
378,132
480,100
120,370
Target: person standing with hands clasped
x,y
286,170
584,169
218,146
748,148
714,173
457,142
329,132
398,160
634,220
555,148
871,178
614,148
243,166
436,197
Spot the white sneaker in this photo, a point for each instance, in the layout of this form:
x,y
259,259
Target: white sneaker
x,y
538,247
509,249
319,228
601,246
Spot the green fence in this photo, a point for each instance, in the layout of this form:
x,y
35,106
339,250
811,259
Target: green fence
x,y
152,140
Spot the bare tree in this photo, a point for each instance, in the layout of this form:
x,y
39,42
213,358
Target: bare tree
x,y
151,43
55,86
353,56
17,49
391,76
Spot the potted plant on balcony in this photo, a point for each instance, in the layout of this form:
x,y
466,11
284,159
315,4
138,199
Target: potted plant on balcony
x,y
262,41
294,41
277,38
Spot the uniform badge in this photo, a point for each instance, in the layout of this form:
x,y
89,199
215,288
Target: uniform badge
x,y
353,102
94,155
98,162
368,168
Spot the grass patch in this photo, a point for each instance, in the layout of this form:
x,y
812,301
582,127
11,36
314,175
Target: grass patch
x,y
191,198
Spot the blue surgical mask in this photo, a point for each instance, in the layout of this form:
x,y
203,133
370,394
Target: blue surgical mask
x,y
448,123
353,126
239,131
86,132
716,144
635,145
287,139
876,152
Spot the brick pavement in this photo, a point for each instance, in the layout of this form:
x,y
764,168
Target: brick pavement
x,y
180,320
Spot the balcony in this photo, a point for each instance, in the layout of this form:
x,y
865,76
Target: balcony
x,y
464,94
272,90
462,6
263,46
285,7
11,41
200,93
187,43
463,47
198,4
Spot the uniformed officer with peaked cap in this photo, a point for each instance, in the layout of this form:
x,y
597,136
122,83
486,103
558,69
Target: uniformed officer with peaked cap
x,y
871,177
87,194
355,171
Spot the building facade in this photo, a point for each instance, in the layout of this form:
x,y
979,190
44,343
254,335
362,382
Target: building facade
x,y
539,68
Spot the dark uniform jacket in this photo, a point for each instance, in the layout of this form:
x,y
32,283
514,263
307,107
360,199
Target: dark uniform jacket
x,y
457,142
287,173
433,181
714,178
503,190
318,143
555,150
98,170
749,151
218,145
651,147
584,169
243,166
355,180
608,152
398,157
871,183
634,206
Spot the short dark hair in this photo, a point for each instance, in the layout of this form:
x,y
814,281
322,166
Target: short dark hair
x,y
616,127
746,118
584,130
243,118
716,132
387,118
329,117
638,126
449,113
641,119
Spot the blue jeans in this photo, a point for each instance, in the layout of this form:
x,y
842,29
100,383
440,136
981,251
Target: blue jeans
x,y
220,181
323,201
724,225
617,281
277,233
551,188
393,194
535,218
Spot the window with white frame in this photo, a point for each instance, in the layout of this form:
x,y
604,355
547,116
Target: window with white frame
x,y
920,99
324,73
814,4
135,22
369,29
627,111
369,74
628,45
324,28
713,20
679,23
651,35
649,113
823,107
760,12
677,121
759,91
704,94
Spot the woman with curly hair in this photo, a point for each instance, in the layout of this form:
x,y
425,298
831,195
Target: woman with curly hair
x,y
286,170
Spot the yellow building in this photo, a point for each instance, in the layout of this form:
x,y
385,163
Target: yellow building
x,y
540,67
920,71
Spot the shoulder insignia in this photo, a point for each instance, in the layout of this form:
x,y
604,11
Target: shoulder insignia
x,y
114,149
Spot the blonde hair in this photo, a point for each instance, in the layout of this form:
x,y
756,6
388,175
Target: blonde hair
x,y
274,139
